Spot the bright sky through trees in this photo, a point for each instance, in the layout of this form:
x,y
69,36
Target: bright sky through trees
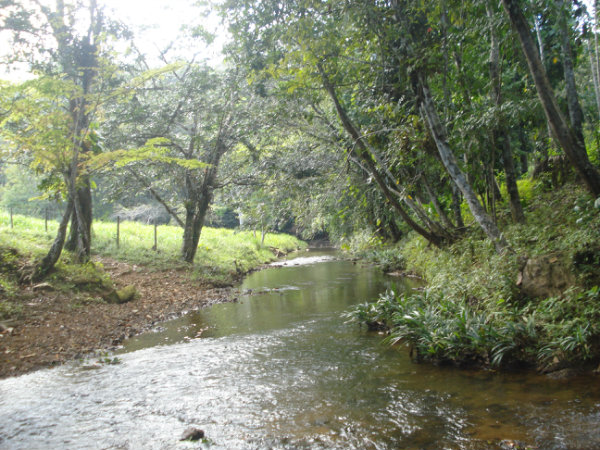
x,y
156,24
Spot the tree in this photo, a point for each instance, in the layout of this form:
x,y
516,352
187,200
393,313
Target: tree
x,y
573,146
195,115
54,116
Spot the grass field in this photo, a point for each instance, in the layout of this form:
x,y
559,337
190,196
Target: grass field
x,y
222,253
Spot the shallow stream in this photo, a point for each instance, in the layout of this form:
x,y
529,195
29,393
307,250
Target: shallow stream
x,y
282,369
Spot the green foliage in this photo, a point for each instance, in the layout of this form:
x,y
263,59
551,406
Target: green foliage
x,y
9,309
19,191
365,246
72,277
472,310
442,329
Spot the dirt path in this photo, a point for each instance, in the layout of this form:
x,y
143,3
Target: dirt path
x,y
57,327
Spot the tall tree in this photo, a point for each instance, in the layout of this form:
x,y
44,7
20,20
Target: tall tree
x,y
500,134
195,115
573,146
64,45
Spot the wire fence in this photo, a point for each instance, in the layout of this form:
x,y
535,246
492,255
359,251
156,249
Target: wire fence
x,y
49,218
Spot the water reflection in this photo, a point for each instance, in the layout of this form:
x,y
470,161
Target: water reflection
x,y
282,370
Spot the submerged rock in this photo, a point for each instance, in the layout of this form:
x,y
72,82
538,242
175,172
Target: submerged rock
x,y
192,434
564,374
509,444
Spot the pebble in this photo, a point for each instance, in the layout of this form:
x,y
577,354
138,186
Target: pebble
x,y
192,434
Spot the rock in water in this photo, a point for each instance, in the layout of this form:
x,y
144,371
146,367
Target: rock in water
x,y
192,434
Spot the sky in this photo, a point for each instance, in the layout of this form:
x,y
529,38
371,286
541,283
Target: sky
x,y
156,24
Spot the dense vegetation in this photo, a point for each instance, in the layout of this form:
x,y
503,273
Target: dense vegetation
x,y
473,310
461,129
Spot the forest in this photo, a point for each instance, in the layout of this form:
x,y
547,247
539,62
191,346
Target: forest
x,y
457,141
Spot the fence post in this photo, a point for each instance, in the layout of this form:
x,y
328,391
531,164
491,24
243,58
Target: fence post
x,y
46,219
155,237
118,229
11,219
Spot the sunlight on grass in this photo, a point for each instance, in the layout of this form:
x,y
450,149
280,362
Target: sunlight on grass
x,y
220,251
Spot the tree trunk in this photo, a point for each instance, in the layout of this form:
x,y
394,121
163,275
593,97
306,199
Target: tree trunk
x,y
436,204
525,148
198,204
575,112
367,158
55,251
80,233
573,148
393,229
188,251
595,79
439,135
456,201
516,208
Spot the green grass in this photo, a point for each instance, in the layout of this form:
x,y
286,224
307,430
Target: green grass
x,y
222,254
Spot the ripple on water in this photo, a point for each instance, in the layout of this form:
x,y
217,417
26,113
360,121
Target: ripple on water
x,y
282,370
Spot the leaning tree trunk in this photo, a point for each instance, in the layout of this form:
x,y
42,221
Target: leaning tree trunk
x,y
55,251
449,160
201,211
572,146
367,158
516,208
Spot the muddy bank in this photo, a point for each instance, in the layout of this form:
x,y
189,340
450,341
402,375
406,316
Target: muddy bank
x,y
56,326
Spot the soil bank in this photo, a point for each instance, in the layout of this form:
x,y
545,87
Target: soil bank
x,y
58,326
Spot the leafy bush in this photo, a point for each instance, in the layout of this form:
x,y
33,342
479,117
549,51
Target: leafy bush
x,y
442,329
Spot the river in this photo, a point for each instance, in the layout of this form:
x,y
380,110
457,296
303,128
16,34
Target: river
x,y
281,369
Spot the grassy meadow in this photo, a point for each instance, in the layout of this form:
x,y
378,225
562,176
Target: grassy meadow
x,y
222,253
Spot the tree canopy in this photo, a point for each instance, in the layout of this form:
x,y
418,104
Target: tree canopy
x,y
326,118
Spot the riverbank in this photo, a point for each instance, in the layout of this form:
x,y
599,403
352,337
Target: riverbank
x,y
54,326
76,312
536,307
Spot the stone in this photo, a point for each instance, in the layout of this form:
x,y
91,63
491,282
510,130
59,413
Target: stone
x,y
123,295
545,276
563,374
192,434
42,287
508,444
597,203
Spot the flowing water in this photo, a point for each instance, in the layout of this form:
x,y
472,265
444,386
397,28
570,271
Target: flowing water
x,y
280,369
